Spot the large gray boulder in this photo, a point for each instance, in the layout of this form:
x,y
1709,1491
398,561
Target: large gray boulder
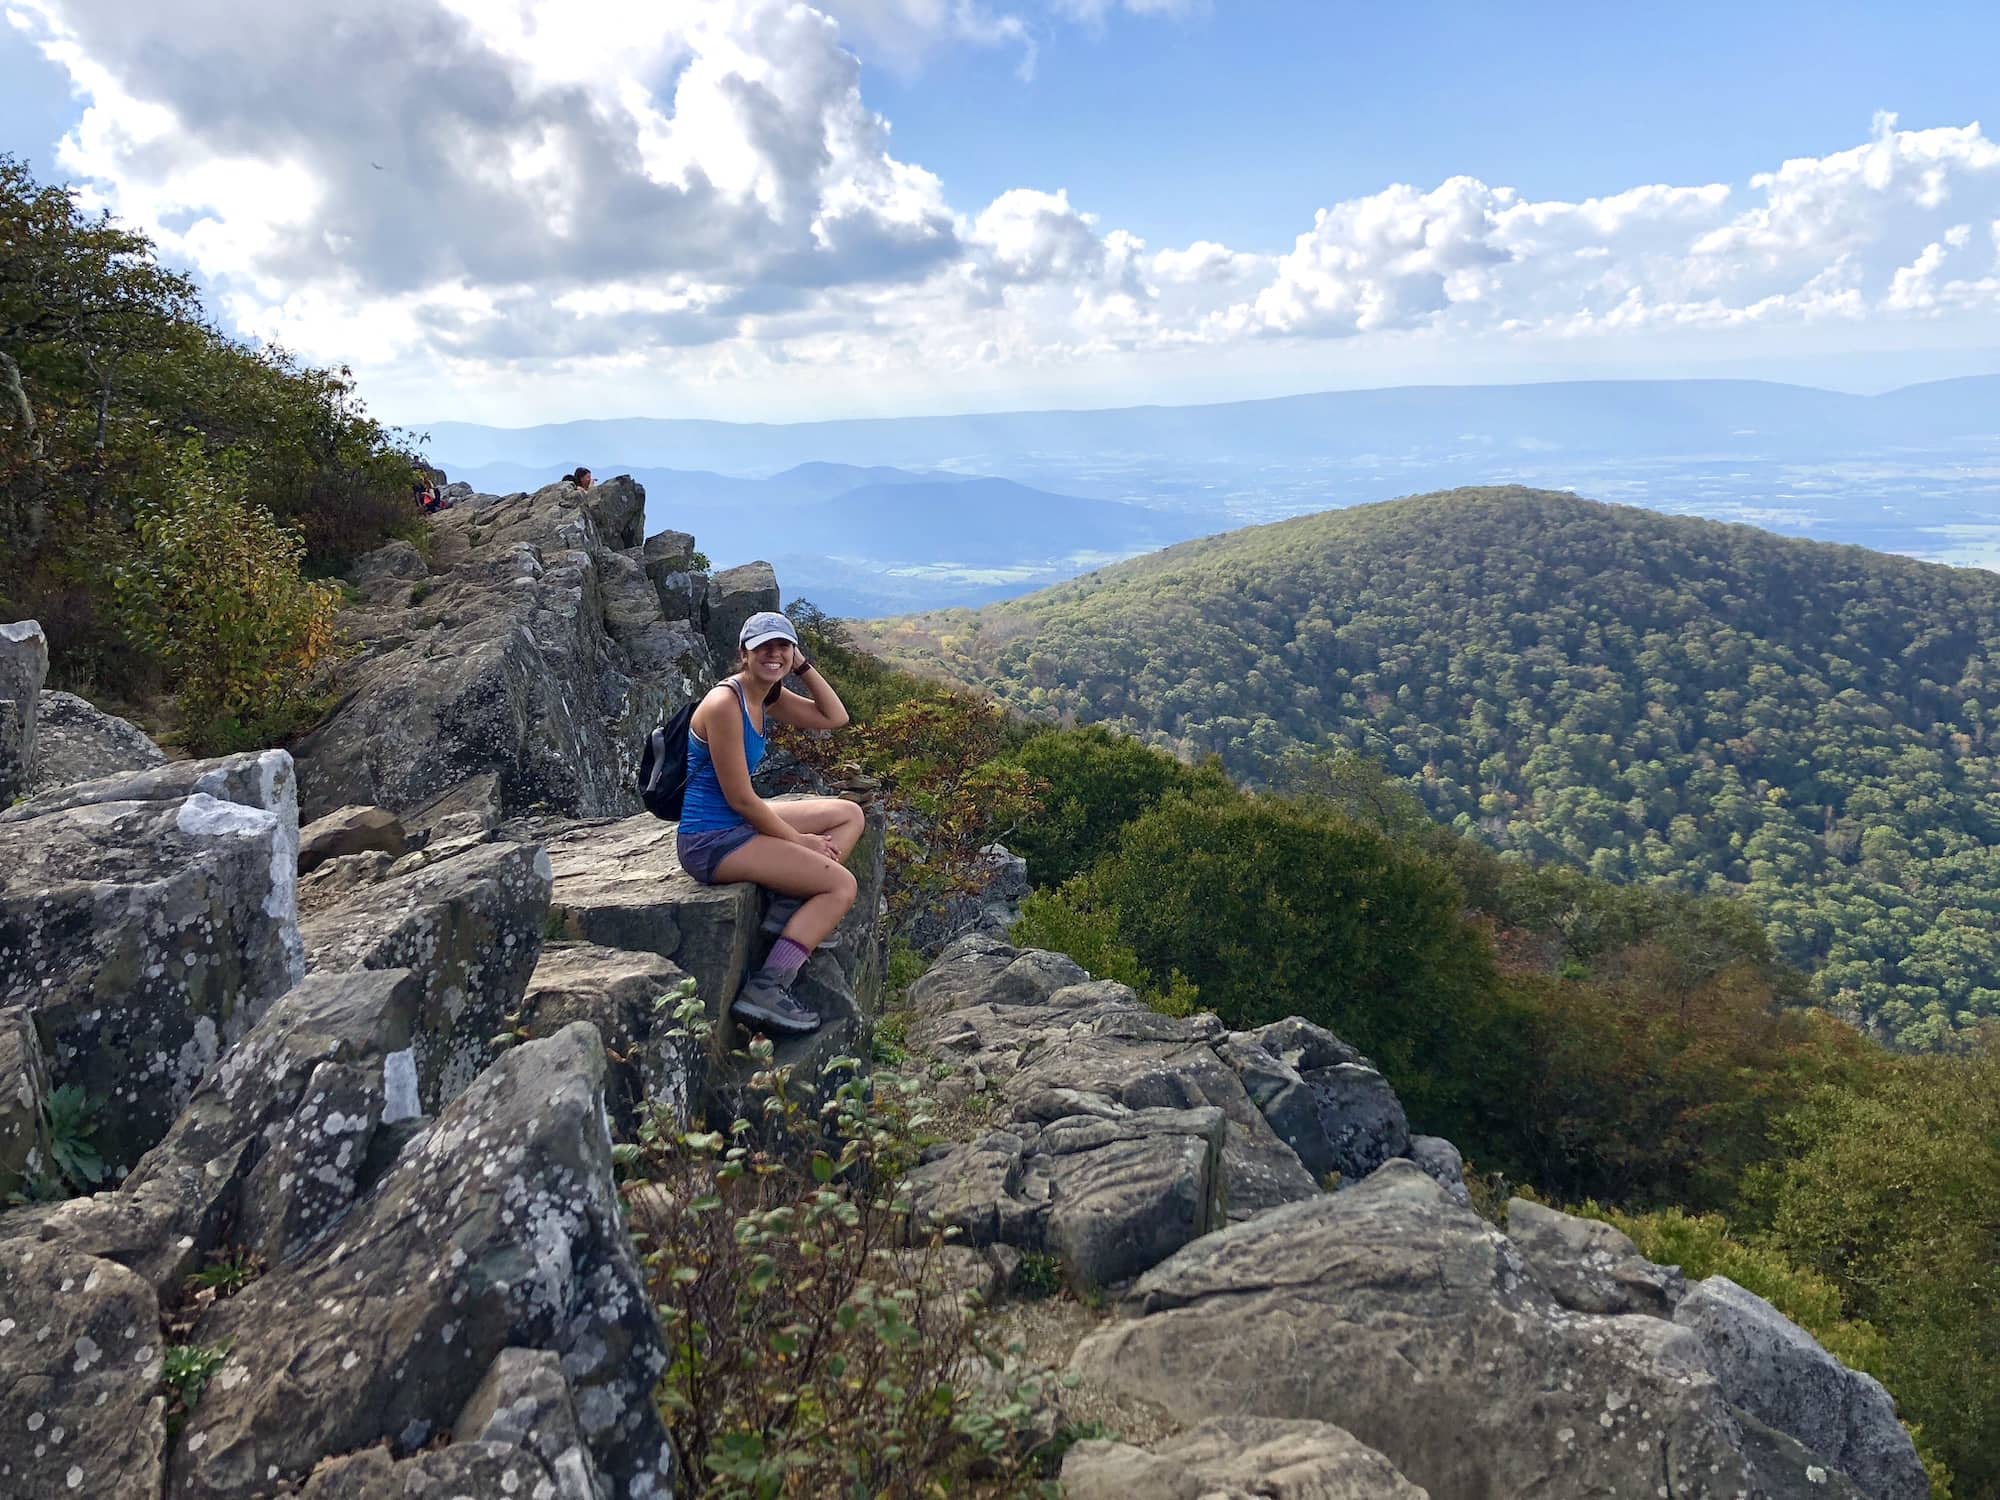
x,y
498,1228
80,1357
1231,1456
682,590
24,666
460,1471
1592,1266
618,992
499,658
76,742
734,595
1776,1371
525,1402
1119,1134
146,922
274,1146
469,924
1405,1319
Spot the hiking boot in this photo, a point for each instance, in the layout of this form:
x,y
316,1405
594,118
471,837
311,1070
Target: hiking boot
x,y
766,1002
781,910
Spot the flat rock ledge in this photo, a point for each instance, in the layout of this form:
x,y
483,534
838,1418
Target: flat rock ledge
x,y
1118,1135
1351,1308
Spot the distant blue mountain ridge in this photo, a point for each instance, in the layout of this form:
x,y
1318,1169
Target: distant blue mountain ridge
x,y
890,515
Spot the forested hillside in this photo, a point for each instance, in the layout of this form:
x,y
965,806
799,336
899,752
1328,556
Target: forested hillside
x,y
1648,697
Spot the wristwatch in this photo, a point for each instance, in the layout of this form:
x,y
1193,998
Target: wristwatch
x,y
805,665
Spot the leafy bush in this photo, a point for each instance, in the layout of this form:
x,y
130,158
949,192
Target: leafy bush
x,y
1053,920
1273,908
211,588
818,1342
1889,1188
1095,782
107,367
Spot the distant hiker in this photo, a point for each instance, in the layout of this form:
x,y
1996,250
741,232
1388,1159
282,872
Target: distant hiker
x,y
796,849
581,478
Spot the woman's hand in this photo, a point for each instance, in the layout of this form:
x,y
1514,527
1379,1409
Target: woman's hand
x,y
821,843
798,664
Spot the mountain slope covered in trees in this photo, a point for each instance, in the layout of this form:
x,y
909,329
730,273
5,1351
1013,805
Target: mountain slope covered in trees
x,y
1648,697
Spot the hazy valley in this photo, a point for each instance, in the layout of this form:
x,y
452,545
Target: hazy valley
x,y
1914,471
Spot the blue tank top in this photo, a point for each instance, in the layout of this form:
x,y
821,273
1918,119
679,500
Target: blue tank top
x,y
703,808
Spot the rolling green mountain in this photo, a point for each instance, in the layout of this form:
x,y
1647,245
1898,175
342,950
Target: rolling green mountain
x,y
1648,697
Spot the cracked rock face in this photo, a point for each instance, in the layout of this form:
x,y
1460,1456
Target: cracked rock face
x,y
80,1347
469,925
1231,1456
497,1229
528,649
146,922
1363,1307
1777,1372
272,1148
1071,1059
615,991
24,1084
1591,1266
76,742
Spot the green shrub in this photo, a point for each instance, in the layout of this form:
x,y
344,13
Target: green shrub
x,y
1888,1189
1095,782
1055,921
817,1343
211,588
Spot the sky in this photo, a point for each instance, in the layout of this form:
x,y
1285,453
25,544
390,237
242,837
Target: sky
x,y
521,211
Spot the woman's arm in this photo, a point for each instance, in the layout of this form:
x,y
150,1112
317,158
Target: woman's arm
x,y
721,725
823,710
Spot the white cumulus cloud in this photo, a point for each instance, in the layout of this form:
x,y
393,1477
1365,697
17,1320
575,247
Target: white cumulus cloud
x,y
483,194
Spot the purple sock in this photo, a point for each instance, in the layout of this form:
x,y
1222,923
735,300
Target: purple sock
x,y
787,958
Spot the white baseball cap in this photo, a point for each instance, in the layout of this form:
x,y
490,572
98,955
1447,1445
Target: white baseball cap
x,y
766,625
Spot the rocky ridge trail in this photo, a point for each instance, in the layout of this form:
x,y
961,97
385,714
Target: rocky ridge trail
x,y
293,1039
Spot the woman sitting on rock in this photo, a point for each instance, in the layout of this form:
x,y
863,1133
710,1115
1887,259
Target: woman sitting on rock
x,y
795,848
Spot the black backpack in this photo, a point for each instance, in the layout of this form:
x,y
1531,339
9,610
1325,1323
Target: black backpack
x,y
663,766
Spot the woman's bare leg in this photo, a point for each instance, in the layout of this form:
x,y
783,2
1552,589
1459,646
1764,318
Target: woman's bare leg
x,y
824,886
836,817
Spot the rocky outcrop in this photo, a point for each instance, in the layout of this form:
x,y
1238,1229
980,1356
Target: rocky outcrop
x,y
734,595
619,993
496,1229
271,1150
1777,1372
1342,1307
76,742
24,665
80,1351
1591,1266
1120,1134
146,921
469,923
350,830
531,646
1232,1456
